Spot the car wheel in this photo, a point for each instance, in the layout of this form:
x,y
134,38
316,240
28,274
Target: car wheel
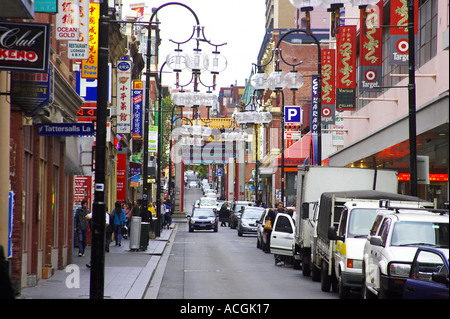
x,y
216,229
315,273
191,229
239,233
344,291
306,266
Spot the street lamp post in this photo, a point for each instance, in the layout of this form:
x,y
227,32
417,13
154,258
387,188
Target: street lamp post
x,y
147,105
278,80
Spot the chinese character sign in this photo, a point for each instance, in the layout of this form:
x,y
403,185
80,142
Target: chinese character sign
x,y
124,97
328,59
137,110
80,49
371,48
67,20
346,69
399,31
89,67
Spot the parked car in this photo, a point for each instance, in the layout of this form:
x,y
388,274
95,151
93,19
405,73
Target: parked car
x,y
261,235
203,219
392,244
247,223
428,278
236,210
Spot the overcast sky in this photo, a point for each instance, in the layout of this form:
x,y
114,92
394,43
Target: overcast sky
x,y
239,23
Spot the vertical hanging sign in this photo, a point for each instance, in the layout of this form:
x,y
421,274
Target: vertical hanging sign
x,y
314,104
137,110
328,102
346,69
371,48
121,185
89,67
124,97
399,31
80,49
67,20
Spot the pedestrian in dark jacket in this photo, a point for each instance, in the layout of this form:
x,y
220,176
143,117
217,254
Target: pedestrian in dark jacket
x,y
224,214
81,226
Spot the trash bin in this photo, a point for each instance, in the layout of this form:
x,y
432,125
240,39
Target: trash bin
x,y
145,228
135,232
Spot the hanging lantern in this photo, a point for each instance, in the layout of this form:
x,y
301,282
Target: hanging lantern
x,y
294,80
176,60
259,81
216,62
276,81
197,61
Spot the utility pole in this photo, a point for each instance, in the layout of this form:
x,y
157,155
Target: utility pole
x,y
97,284
412,101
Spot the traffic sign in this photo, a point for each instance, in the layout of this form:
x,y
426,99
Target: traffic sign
x,y
293,114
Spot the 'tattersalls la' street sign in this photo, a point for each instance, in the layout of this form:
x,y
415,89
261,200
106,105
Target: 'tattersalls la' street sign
x,y
65,129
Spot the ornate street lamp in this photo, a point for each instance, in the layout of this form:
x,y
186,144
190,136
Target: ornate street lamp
x,y
279,80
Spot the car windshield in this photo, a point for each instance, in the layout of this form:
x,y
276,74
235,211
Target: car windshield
x,y
361,220
253,213
203,213
420,233
208,202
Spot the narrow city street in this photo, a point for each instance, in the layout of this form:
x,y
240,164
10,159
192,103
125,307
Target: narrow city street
x,y
222,265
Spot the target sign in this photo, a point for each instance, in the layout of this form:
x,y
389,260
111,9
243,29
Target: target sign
x,y
326,111
402,46
370,75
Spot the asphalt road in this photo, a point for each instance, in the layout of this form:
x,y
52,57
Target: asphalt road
x,y
222,265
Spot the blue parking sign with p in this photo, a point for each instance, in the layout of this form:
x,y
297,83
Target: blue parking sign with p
x,y
293,114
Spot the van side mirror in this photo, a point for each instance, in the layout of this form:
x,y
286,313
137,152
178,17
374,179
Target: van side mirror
x,y
305,210
332,234
376,241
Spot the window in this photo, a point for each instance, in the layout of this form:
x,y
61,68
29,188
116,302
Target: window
x,y
427,40
426,264
384,229
420,233
360,222
376,224
283,225
343,223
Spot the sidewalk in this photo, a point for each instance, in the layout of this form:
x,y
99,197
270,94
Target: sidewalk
x,y
127,273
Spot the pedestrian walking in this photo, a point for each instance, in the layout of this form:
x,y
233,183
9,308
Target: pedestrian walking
x,y
224,214
168,214
119,222
136,209
108,230
81,225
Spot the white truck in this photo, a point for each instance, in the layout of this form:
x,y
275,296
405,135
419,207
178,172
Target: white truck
x,y
312,181
343,223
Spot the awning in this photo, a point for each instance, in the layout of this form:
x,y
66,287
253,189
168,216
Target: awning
x,y
296,154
